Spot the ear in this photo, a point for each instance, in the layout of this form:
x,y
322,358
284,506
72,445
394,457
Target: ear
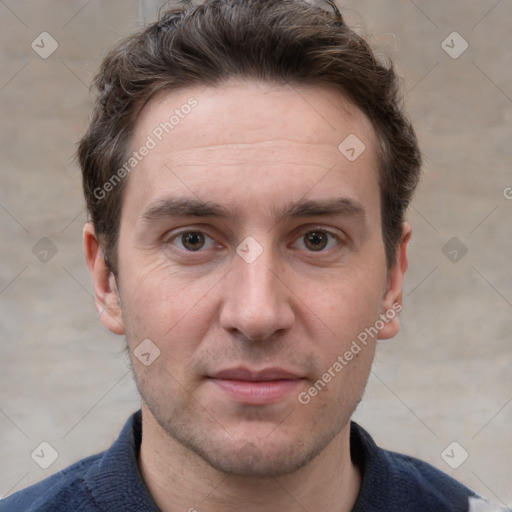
x,y
392,302
106,296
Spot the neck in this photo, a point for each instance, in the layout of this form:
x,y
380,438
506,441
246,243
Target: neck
x,y
178,479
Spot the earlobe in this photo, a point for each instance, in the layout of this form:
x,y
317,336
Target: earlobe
x,y
392,303
106,294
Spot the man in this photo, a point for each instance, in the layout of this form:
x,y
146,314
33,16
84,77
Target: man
x,y
247,169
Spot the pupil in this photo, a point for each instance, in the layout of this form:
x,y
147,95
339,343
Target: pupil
x,y
316,240
193,241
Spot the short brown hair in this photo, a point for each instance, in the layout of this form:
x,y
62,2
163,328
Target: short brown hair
x,y
283,41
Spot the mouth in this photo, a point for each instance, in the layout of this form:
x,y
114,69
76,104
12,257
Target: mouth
x,y
256,387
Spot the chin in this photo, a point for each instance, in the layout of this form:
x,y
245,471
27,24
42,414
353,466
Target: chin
x,y
249,446
262,460
252,452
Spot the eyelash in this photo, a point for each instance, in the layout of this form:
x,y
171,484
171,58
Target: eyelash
x,y
176,236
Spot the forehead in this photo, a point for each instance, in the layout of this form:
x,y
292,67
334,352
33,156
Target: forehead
x,y
280,140
261,108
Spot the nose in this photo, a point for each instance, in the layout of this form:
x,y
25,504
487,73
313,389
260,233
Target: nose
x,y
256,302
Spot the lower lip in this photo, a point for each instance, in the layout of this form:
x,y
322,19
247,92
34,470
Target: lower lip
x,y
257,392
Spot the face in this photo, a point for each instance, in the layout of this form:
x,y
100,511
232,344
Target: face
x,y
251,256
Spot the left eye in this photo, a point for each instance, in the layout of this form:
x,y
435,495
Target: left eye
x,y
317,240
192,241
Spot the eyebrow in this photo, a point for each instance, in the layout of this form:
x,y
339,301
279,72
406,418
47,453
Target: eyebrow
x,y
184,207
339,206
190,207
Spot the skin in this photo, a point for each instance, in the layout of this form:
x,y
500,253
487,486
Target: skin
x,y
255,149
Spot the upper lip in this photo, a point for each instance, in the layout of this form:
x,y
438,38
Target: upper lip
x,y
246,374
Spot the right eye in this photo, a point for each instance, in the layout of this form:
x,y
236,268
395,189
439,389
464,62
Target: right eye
x,y
191,241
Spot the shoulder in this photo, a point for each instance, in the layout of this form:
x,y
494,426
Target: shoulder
x,y
395,482
63,491
110,481
421,480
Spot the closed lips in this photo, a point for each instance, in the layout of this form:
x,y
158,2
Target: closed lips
x,y
244,374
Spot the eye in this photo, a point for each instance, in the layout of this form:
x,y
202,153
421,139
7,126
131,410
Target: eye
x,y
317,240
192,241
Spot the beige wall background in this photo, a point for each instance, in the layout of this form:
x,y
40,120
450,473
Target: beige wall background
x,y
445,379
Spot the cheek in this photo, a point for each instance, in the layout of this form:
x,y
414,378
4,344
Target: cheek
x,y
349,308
175,319
167,308
349,303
